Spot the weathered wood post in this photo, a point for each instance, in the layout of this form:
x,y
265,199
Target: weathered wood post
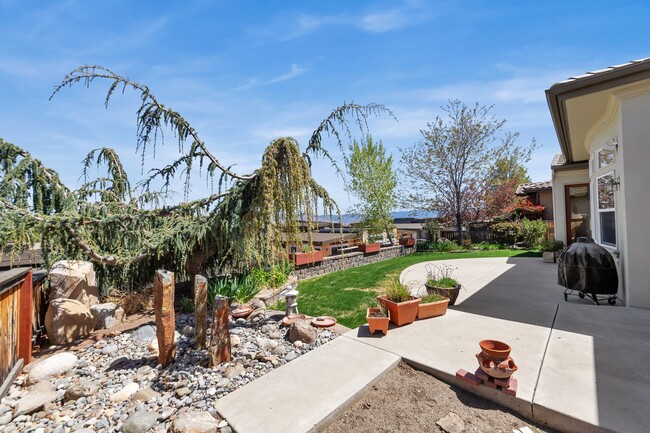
x,y
200,311
220,343
163,304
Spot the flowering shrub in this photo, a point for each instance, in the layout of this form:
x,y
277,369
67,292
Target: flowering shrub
x,y
524,209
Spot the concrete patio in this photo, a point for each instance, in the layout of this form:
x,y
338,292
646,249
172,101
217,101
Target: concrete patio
x,y
581,367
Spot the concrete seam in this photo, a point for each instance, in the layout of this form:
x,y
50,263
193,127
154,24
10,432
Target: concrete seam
x,y
368,344
541,366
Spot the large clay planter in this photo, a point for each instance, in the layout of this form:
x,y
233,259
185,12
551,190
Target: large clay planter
x,y
377,323
447,292
432,309
370,248
401,313
300,259
494,359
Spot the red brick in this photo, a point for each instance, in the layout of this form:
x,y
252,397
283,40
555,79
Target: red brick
x,y
504,383
468,377
512,387
490,383
481,375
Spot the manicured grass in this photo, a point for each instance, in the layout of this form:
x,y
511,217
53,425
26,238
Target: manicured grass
x,y
346,294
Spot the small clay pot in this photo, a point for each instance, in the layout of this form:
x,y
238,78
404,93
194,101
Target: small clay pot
x,y
242,311
498,369
495,349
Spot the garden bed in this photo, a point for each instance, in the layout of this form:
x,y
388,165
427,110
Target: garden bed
x,y
407,400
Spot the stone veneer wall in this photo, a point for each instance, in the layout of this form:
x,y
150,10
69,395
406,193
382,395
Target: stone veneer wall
x,y
351,260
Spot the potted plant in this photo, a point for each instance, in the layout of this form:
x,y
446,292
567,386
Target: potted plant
x,y
441,282
401,306
551,249
308,256
367,248
377,317
432,305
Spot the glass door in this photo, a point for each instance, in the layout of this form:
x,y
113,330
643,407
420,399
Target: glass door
x,y
578,222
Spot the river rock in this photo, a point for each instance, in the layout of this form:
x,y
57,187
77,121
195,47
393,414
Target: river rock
x,y
83,388
125,393
234,371
37,396
194,422
144,334
140,422
107,315
301,330
55,365
74,279
145,394
67,320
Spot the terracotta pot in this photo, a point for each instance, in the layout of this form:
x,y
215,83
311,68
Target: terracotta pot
x,y
377,323
242,311
499,369
300,259
407,242
448,292
496,350
370,248
401,313
432,309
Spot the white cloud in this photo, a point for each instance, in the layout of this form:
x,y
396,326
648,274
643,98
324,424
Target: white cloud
x,y
380,22
295,71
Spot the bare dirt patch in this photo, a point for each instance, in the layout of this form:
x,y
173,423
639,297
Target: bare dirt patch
x,y
407,400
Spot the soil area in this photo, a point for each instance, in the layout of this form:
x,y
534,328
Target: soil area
x,y
408,400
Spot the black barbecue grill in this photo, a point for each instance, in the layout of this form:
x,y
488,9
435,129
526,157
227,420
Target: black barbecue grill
x,y
589,269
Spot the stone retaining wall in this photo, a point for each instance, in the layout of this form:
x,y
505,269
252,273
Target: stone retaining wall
x,y
351,260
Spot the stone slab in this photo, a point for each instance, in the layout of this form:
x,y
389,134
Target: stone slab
x,y
308,393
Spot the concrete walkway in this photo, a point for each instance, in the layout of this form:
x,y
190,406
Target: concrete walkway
x,y
581,367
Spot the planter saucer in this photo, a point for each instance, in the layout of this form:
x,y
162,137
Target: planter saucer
x,y
242,311
288,320
323,321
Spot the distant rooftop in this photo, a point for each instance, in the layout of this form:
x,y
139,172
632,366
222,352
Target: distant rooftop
x,y
525,188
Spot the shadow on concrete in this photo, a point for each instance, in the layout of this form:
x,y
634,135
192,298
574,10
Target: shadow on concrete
x,y
618,339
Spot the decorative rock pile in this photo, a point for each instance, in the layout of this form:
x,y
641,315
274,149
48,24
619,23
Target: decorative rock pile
x,y
116,385
74,309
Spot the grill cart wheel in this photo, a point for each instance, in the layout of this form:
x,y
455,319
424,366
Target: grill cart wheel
x,y
612,301
581,295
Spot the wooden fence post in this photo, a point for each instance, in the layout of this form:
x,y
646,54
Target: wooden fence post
x,y
163,303
220,343
200,311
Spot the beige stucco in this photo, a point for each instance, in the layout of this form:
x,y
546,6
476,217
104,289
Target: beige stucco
x,y
622,115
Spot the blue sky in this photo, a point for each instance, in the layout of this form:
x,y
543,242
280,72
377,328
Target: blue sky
x,y
244,73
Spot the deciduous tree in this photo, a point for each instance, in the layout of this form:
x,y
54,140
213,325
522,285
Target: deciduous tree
x,y
372,180
452,168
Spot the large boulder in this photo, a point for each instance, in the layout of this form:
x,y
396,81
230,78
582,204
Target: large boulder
x,y
301,330
74,279
107,315
53,366
67,320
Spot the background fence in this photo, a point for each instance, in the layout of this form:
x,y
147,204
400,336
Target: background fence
x,y
482,232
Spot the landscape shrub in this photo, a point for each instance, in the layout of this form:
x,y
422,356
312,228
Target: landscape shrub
x,y
236,288
532,232
506,232
552,245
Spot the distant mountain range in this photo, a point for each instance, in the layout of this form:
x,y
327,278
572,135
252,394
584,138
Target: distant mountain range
x,y
349,218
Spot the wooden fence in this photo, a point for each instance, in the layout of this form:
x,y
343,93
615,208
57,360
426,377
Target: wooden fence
x,y
482,232
16,317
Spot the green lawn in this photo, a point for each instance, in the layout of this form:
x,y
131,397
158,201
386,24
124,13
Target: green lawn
x,y
346,294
